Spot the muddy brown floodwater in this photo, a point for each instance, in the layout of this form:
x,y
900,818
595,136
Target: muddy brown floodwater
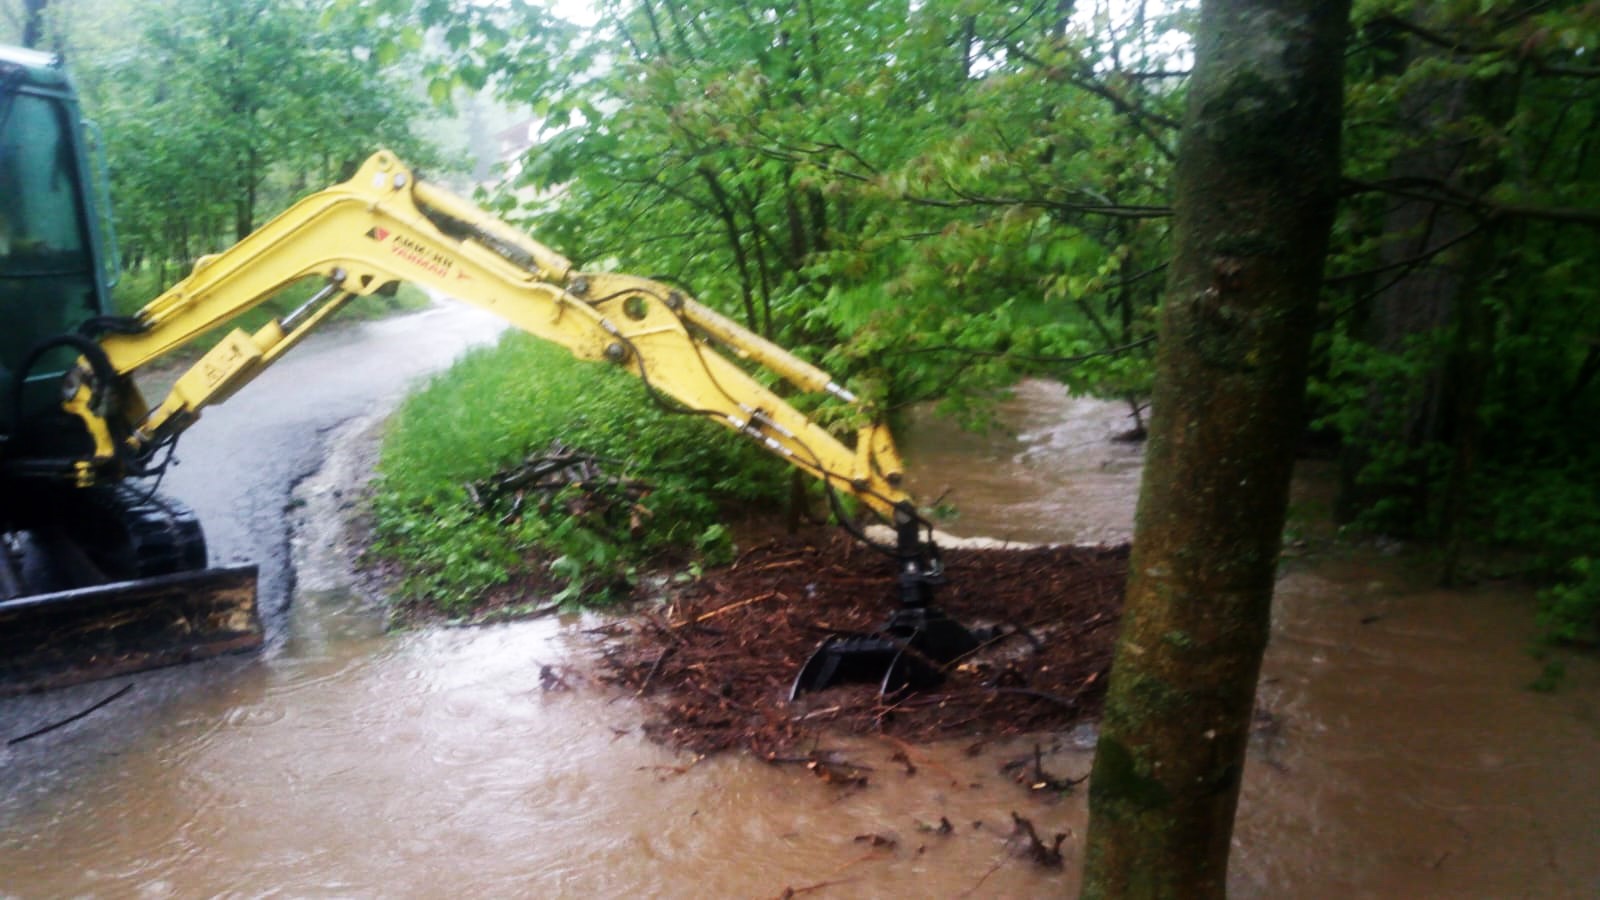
x,y
1398,753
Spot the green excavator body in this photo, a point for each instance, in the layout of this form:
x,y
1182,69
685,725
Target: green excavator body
x,y
100,580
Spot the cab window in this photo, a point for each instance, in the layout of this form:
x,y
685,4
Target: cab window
x,y
41,219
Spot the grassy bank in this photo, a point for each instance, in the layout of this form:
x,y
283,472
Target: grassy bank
x,y
670,478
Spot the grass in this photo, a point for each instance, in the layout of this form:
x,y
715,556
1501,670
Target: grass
x,y
495,407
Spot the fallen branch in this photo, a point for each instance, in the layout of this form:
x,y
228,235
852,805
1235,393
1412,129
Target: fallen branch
x,y
1042,695
550,679
781,564
845,774
819,713
992,869
911,759
671,770
730,607
1024,841
1041,780
738,636
654,668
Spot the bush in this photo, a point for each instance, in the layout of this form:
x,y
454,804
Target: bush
x,y
495,407
1570,612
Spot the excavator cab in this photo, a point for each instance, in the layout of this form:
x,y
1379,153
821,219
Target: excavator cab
x,y
49,280
94,580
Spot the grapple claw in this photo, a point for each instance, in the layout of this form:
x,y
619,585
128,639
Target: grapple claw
x,y
913,649
911,652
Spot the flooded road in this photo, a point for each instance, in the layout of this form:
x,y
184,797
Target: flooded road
x,y
1412,760
1399,754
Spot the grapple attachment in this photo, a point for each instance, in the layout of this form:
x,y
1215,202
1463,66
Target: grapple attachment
x,y
913,648
910,652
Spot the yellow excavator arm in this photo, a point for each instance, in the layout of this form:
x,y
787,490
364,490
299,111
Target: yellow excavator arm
x,y
384,226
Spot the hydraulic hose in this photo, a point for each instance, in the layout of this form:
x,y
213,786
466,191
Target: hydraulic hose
x,y
104,373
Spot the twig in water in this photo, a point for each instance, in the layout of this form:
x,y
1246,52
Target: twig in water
x,y
797,891
818,713
912,759
550,679
992,869
1024,841
1067,702
654,668
69,719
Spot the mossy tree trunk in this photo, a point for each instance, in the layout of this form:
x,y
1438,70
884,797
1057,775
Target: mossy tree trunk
x,y
1256,187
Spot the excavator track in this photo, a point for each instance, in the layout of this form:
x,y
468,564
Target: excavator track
x,y
130,532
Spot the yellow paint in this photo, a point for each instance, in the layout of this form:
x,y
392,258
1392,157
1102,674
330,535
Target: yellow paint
x,y
383,226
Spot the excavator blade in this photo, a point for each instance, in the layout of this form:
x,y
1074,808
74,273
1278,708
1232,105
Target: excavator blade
x,y
66,637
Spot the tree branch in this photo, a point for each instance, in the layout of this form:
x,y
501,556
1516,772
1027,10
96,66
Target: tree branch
x,y
1467,48
1123,104
1432,190
726,214
1567,214
1436,38
1024,357
1112,210
1407,265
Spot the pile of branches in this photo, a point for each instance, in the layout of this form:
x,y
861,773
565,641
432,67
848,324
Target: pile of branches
x,y
717,663
559,471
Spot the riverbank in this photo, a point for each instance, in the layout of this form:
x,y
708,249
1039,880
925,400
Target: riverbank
x,y
1398,751
715,667
713,659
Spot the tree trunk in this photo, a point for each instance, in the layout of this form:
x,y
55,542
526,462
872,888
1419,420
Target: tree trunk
x,y
1438,300
33,22
244,206
1256,185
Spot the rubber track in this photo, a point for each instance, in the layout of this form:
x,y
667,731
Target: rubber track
x,y
162,534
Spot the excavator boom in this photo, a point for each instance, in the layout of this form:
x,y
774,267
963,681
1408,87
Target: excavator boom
x,y
384,226
364,236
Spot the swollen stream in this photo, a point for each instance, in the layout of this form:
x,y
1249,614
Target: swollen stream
x,y
1399,754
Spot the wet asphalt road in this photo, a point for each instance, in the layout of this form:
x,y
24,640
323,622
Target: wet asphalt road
x,y
238,467
240,463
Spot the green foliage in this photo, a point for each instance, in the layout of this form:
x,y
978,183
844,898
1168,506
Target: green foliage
x,y
1460,362
1549,678
927,200
218,113
1548,514
934,199
1549,511
715,545
498,405
1365,395
1570,612
448,553
931,200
